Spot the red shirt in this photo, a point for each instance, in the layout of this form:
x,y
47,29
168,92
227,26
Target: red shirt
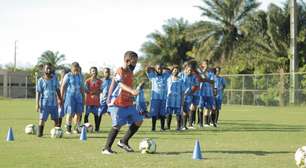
x,y
124,99
93,88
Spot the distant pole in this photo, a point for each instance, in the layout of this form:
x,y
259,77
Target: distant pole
x,y
15,55
293,51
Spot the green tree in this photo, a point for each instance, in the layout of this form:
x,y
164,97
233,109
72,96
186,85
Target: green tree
x,y
219,35
54,58
169,46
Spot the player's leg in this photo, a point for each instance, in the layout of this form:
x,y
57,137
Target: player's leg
x,y
178,119
135,121
87,111
169,117
162,114
153,112
186,108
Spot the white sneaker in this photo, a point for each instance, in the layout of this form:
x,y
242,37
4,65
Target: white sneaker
x,y
191,127
108,152
206,125
69,133
211,124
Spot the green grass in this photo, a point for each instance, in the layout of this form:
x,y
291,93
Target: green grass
x,y
253,137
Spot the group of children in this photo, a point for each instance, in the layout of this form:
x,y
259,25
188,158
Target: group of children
x,y
185,94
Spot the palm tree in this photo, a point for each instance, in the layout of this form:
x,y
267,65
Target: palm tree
x,y
54,58
218,37
169,47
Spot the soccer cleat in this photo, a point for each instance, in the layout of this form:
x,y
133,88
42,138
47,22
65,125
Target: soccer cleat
x,y
124,146
211,124
108,152
191,127
206,125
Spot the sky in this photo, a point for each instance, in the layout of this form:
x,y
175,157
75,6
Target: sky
x,y
92,32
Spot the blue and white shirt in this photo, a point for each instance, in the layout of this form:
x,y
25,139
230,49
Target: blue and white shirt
x,y
141,101
206,88
47,89
175,93
74,85
220,84
159,84
104,90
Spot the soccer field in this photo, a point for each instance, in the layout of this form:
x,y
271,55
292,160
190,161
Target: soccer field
x,y
252,137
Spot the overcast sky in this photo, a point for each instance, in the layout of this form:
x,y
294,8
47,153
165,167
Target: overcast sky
x,y
92,32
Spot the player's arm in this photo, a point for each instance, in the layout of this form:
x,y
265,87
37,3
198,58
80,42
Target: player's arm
x,y
63,87
59,97
126,88
38,92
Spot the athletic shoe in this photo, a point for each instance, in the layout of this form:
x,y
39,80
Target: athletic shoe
x,y
68,132
184,128
211,124
124,146
206,125
191,127
108,152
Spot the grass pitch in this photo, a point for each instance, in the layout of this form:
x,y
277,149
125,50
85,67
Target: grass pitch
x,y
247,136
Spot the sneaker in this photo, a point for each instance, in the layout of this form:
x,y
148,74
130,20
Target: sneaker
x,y
215,125
206,125
162,129
108,152
184,128
68,132
191,127
211,124
124,146
153,130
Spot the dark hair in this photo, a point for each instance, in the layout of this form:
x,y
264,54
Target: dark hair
x,y
75,64
175,67
48,64
206,60
130,55
106,68
95,68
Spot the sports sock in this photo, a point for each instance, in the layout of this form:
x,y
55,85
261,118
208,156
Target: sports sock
x,y
69,128
169,118
86,118
40,131
154,123
185,118
206,119
111,138
201,117
178,122
131,131
60,120
217,116
162,122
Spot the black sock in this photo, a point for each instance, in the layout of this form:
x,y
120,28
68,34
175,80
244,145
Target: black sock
x,y
201,117
217,116
60,120
154,123
40,131
86,118
69,128
191,117
111,138
169,118
213,117
185,118
97,124
162,122
198,114
131,131
178,122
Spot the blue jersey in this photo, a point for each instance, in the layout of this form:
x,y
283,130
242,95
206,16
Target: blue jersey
x,y
47,89
189,81
159,84
74,85
220,85
104,90
206,88
141,101
175,93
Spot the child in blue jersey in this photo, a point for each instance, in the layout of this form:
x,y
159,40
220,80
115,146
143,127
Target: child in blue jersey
x,y
141,105
158,77
220,84
61,112
106,82
207,96
73,89
48,98
175,97
190,86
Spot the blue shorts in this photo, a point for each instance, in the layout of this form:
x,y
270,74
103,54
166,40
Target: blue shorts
x,y
46,110
195,100
121,115
102,109
158,108
92,109
61,112
73,105
186,106
141,107
207,102
174,110
218,103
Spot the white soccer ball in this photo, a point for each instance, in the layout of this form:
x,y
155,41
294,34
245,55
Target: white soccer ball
x,y
300,157
57,132
89,127
30,129
147,145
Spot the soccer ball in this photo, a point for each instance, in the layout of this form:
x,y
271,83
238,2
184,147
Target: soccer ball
x,y
30,129
147,145
57,132
89,127
300,157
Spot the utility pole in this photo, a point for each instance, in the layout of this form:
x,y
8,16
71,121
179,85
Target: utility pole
x,y
293,50
15,55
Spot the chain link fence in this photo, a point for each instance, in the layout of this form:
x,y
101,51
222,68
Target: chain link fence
x,y
264,89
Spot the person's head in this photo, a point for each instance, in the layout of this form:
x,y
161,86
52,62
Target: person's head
x,y
188,70
218,70
204,64
130,60
63,72
106,72
75,68
48,69
159,68
175,70
93,72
